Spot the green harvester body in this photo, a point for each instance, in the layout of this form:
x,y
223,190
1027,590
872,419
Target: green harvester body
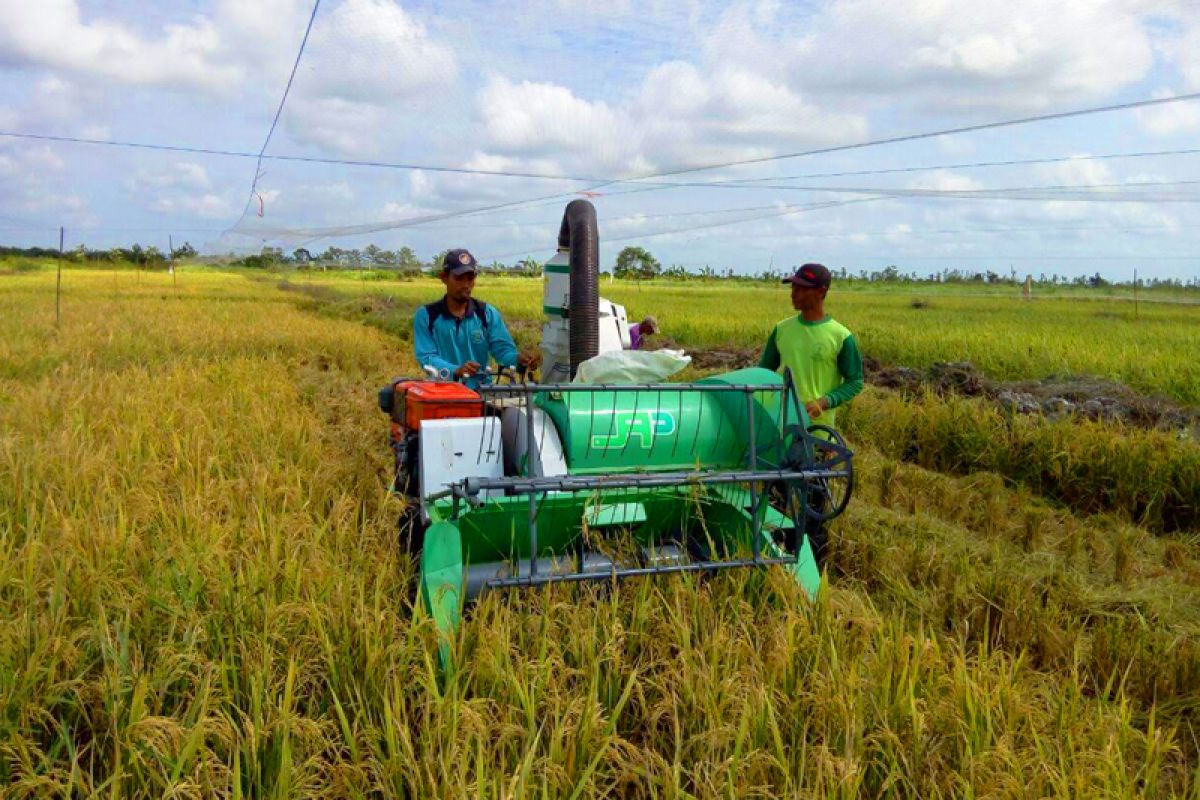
x,y
657,467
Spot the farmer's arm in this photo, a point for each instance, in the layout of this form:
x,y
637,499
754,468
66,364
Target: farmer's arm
x,y
770,354
425,348
500,341
850,366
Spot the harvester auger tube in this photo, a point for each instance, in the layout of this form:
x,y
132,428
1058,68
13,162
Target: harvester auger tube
x,y
579,236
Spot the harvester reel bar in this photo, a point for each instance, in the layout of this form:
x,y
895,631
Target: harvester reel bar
x,y
469,489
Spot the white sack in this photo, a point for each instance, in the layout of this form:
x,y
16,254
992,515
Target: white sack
x,y
632,366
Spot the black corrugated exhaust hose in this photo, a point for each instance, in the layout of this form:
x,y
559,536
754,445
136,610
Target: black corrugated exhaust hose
x,y
579,235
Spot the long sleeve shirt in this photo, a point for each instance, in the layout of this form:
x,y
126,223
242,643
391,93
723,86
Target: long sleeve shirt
x,y
446,342
824,359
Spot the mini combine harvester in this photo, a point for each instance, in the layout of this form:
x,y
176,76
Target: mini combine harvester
x,y
525,484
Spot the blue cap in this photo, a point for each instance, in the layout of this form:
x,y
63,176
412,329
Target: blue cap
x,y
458,262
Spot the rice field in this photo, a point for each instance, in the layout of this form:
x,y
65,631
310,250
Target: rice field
x,y
201,593
1078,332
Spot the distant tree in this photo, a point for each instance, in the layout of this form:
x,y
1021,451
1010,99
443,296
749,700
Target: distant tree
x,y
408,260
636,262
301,255
184,250
677,271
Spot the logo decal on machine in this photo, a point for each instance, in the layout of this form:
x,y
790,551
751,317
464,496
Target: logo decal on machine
x,y
643,427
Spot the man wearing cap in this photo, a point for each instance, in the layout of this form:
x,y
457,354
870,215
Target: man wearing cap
x,y
457,334
821,352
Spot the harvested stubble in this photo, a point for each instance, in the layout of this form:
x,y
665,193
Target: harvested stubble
x,y
1149,476
200,595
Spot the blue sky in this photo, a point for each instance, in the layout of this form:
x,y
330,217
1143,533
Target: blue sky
x,y
614,90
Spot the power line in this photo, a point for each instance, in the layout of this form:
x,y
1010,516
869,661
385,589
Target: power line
x,y
278,112
372,227
345,162
912,137
968,165
735,183
779,212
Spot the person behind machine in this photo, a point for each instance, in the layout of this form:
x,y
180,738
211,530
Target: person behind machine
x,y
822,353
640,330
458,334
825,363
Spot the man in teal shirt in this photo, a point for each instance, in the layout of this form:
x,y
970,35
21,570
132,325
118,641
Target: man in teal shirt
x,y
457,334
821,352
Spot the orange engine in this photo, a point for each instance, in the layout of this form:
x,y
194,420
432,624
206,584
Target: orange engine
x,y
420,400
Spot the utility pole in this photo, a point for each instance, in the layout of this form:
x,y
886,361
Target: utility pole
x,y
1135,294
171,262
58,283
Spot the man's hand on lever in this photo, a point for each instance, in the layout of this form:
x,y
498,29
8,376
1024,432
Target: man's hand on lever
x,y
466,370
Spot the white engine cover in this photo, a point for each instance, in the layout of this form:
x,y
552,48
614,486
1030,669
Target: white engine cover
x,y
453,449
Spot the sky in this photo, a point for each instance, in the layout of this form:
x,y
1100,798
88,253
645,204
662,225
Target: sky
x,y
593,96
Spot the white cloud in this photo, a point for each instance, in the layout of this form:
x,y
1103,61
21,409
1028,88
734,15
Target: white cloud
x,y
1076,172
533,117
373,51
946,181
52,33
181,175
960,54
693,117
900,232
183,187
33,181
678,117
365,61
1178,45
348,127
1170,118
206,206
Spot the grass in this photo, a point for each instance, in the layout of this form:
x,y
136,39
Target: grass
x,y
201,595
1082,333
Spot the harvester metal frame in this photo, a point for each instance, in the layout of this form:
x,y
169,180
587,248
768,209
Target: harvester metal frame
x,y
798,469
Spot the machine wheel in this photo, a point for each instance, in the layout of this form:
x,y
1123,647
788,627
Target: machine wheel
x,y
407,454
410,526
411,529
828,497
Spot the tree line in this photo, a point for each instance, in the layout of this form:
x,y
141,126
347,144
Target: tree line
x,y
632,263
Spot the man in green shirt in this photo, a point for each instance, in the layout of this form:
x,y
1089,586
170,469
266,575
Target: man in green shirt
x,y
821,352
826,368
